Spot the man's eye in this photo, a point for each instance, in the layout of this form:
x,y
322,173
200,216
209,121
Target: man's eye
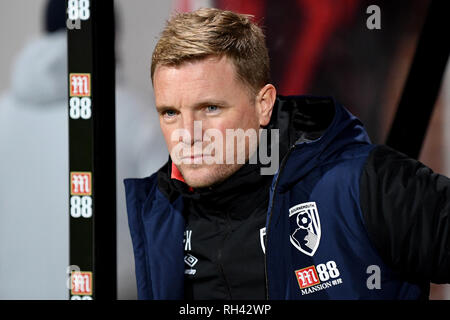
x,y
169,113
212,108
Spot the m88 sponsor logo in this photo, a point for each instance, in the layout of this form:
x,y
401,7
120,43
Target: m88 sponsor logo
x,y
315,278
81,191
81,285
80,104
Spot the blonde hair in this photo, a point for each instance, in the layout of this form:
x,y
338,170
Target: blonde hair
x,y
213,32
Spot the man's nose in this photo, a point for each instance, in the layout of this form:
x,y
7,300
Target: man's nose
x,y
193,129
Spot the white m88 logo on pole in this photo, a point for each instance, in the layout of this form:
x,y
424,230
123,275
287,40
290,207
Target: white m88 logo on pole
x,y
80,84
81,206
81,191
78,9
80,108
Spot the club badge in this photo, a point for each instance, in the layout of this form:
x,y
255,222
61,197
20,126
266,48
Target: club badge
x,y
305,227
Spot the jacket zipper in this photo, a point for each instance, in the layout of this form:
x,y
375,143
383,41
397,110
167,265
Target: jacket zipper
x,y
282,165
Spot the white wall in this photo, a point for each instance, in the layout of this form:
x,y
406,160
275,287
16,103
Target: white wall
x,y
20,20
140,22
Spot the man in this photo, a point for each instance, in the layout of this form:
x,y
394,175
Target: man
x,y
340,219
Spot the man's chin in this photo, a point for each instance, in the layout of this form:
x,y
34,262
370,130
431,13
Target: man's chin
x,y
202,176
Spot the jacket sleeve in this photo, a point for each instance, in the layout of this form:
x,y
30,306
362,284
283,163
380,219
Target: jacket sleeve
x,y
406,210
137,191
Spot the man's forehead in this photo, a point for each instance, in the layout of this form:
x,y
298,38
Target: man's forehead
x,y
205,79
195,68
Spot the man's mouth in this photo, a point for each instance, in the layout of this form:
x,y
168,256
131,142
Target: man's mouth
x,y
196,158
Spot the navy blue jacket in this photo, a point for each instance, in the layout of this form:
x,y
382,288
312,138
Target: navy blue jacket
x,y
346,219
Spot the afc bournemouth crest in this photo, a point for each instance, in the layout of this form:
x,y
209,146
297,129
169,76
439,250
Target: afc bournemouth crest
x,y
305,227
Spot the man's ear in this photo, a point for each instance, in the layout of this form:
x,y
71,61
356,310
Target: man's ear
x,y
265,101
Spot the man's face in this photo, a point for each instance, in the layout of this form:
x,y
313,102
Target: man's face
x,y
208,92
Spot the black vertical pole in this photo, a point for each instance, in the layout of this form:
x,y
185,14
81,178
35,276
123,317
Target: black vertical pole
x,y
92,165
423,83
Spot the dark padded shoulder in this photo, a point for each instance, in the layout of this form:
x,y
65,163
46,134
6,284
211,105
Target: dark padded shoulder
x,y
406,209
